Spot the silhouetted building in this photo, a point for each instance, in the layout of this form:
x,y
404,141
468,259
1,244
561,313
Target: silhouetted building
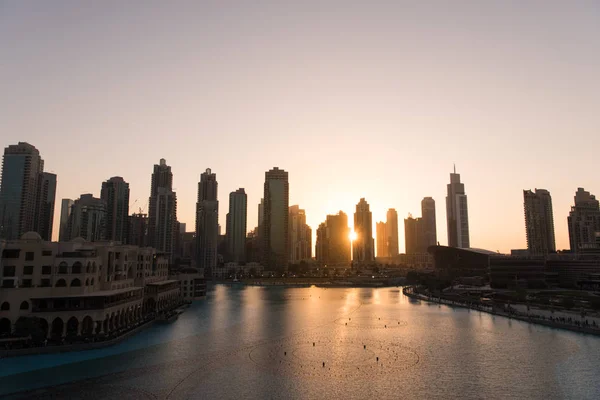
x,y
539,222
391,227
115,193
162,211
207,222
138,230
236,225
27,193
333,241
275,219
429,222
457,213
382,239
87,219
584,222
65,212
413,235
300,236
364,246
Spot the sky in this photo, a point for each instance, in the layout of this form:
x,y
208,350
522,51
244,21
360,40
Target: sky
x,y
373,99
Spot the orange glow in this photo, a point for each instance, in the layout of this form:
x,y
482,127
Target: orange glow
x,y
352,236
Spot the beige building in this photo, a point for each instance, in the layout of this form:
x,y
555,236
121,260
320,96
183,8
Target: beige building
x,y
82,289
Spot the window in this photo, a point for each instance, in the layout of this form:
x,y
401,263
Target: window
x,y
45,283
9,270
46,253
61,283
24,306
8,283
28,270
46,269
29,256
76,268
62,268
26,283
5,306
11,253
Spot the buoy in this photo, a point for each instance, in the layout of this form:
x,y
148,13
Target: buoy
x,y
377,359
385,326
323,363
285,353
313,344
364,346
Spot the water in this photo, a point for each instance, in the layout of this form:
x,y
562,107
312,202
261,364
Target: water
x,y
255,342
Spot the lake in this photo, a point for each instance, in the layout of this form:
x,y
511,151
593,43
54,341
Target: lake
x,y
310,343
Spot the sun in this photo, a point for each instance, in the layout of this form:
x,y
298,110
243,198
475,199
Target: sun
x,y
352,235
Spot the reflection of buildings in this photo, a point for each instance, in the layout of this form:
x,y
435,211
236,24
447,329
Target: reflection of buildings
x,y
275,220
584,223
80,289
300,236
333,241
539,222
363,247
457,213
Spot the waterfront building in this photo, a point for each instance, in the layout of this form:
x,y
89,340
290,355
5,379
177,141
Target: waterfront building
x,y
300,236
363,248
207,222
27,194
65,211
457,213
162,211
275,220
81,289
539,222
236,225
115,194
382,239
87,219
391,227
584,223
192,284
429,222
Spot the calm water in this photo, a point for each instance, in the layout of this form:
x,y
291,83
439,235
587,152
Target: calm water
x,y
254,342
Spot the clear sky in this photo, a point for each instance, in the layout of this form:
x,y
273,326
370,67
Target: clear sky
x,y
373,99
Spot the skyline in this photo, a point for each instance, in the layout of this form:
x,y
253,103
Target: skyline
x,y
107,91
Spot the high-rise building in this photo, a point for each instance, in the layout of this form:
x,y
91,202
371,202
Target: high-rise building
x,y
539,222
382,239
275,219
115,193
261,211
207,222
391,227
65,212
26,193
137,232
237,225
429,222
333,241
364,246
584,222
46,195
457,213
88,219
413,235
300,236
162,209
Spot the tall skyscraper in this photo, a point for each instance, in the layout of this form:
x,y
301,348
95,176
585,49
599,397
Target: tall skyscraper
x,y
364,246
413,235
162,209
539,222
137,231
46,195
584,222
300,236
26,194
429,222
207,222
65,212
237,225
275,219
391,227
88,219
382,239
115,193
261,211
457,213
333,241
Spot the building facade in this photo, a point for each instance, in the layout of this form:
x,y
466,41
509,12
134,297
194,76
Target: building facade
x,y
115,194
275,220
300,236
87,219
539,222
46,195
237,225
363,250
457,213
65,211
207,222
162,209
584,222
413,236
429,222
382,239
391,227
137,231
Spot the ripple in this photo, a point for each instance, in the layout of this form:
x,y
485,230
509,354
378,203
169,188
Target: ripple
x,y
370,322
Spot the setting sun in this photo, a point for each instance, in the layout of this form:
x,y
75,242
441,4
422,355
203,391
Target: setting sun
x,y
352,235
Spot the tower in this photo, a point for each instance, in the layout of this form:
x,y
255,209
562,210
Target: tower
x,y
275,220
115,193
539,222
457,213
207,221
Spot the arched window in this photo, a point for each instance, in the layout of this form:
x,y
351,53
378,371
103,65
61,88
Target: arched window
x,y
92,282
88,269
5,306
24,305
76,268
61,283
63,268
87,282
75,282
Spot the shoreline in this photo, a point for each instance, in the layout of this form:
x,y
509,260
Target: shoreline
x,y
408,291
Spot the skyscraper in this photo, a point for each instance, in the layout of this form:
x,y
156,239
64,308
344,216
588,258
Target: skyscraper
x,y
207,222
413,235
137,231
300,236
391,227
65,212
237,225
162,209
382,239
88,219
115,193
333,241
25,193
429,222
539,222
363,249
457,213
584,222
275,219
